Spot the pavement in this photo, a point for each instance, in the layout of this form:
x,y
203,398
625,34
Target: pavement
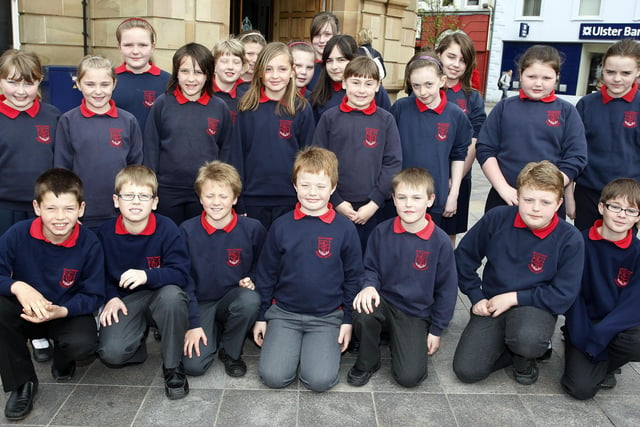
x,y
134,396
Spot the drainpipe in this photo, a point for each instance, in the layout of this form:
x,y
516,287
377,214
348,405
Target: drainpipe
x,y
15,24
85,33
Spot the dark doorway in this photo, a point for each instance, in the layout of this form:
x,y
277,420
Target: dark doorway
x,y
252,15
6,37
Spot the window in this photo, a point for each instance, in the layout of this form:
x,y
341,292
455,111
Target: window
x,y
531,7
447,3
589,8
473,2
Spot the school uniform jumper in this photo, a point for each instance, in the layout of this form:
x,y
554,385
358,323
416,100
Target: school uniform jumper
x,y
180,136
70,274
432,139
96,147
161,253
613,147
473,106
232,97
519,130
26,150
217,304
367,144
415,277
543,266
265,159
308,274
136,93
602,327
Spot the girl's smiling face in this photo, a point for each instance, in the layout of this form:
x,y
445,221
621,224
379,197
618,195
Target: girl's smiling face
x,y
336,63
538,80
191,79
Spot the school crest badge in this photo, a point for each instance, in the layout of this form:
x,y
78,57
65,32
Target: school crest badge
x,y
630,119
233,257
421,261
443,131
149,98
462,103
234,116
553,118
212,126
43,134
370,138
68,277
536,264
153,262
324,247
624,276
285,129
115,137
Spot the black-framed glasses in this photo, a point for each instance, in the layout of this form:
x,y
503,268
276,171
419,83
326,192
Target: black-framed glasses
x,y
130,196
617,209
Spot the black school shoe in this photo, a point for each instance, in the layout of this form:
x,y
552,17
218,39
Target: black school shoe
x,y
358,378
526,373
63,373
176,385
609,380
20,401
233,367
42,355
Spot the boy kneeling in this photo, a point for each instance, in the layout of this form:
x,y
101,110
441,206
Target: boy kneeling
x,y
51,282
602,327
409,285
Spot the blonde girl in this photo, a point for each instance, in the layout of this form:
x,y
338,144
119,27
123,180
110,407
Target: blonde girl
x,y
97,139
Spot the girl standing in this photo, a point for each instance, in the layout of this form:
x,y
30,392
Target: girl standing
x,y
324,25
97,139
435,134
329,91
610,118
274,122
187,127
140,82
458,57
535,126
27,130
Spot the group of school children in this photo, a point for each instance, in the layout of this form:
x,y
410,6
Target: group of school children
x,y
360,246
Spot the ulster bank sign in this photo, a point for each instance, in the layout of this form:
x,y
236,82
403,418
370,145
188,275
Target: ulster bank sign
x,y
609,31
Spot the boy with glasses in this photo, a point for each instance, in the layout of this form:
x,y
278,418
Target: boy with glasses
x,y
602,327
146,265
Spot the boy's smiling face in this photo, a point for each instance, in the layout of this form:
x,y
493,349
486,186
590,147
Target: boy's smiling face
x,y
135,212
314,191
59,215
411,205
615,226
217,200
537,207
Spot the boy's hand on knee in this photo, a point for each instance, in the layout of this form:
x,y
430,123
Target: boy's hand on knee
x,y
247,283
344,337
366,300
259,331
192,342
55,312
481,308
109,313
133,278
34,304
502,302
433,344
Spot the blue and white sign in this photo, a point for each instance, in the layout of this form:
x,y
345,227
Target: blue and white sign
x,y
524,29
609,31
